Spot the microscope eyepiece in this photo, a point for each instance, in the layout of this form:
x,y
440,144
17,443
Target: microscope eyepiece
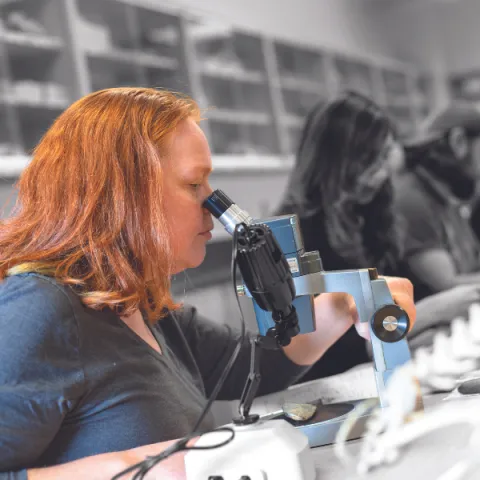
x,y
226,211
217,203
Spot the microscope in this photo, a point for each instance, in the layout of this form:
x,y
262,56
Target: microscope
x,y
282,280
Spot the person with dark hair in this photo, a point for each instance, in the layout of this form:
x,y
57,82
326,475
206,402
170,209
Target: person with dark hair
x,y
99,367
341,188
434,191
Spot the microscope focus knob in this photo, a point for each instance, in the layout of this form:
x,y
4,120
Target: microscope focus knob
x,y
390,323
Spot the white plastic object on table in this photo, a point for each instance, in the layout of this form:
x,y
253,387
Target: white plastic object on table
x,y
263,451
452,358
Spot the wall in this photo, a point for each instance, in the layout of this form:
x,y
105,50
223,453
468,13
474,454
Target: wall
x,y
411,30
407,28
459,24
441,36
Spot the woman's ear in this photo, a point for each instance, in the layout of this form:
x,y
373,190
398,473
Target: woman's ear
x,y
458,141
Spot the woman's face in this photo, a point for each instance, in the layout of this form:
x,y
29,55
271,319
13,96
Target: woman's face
x,y
390,159
185,187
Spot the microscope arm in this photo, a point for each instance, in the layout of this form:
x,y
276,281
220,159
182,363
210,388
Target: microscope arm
x,y
388,323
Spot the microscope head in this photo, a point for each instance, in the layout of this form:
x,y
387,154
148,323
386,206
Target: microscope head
x,y
286,248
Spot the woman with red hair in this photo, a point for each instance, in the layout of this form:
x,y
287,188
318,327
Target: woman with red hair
x,y
99,366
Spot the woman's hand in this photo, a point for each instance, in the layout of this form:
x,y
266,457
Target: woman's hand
x,y
335,313
107,465
401,290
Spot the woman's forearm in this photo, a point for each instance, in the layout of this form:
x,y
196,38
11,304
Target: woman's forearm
x,y
98,467
335,313
107,465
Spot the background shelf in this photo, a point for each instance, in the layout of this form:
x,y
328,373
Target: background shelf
x,y
350,74
256,91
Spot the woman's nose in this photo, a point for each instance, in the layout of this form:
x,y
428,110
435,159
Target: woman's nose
x,y
209,191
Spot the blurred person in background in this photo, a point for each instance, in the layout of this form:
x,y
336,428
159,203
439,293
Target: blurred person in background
x,y
435,191
341,188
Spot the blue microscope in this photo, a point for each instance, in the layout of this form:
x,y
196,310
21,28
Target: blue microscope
x,y
282,280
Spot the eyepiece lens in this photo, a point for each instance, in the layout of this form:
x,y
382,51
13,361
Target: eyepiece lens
x,y
217,203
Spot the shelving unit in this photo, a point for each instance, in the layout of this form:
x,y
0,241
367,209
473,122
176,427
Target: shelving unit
x,y
352,74
39,78
255,91
301,82
233,78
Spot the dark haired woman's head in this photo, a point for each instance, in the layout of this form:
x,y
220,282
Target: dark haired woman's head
x,y
343,173
447,156
344,150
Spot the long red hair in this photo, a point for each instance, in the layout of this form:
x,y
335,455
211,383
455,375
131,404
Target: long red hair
x,y
89,209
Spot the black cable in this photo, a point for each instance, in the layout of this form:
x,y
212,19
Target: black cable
x,y
146,465
239,344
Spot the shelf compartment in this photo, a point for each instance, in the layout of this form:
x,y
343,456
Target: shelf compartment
x,y
300,103
34,121
249,50
158,33
261,140
104,25
36,92
24,20
242,140
226,138
108,72
354,75
36,40
227,53
225,94
300,63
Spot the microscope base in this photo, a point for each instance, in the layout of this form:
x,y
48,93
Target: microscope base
x,y
266,450
323,427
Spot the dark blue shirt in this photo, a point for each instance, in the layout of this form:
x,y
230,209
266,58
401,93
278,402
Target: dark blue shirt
x,y
76,382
